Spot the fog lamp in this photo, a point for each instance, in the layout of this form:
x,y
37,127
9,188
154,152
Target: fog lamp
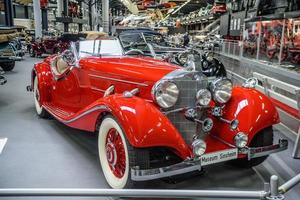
x,y
203,97
199,147
241,140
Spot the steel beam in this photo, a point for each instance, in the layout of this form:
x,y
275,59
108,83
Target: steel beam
x,y
37,18
8,10
105,15
45,19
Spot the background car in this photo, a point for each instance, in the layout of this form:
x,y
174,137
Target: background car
x,y
2,77
8,52
150,43
53,44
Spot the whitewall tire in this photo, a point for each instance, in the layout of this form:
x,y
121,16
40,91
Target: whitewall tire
x,y
113,153
36,95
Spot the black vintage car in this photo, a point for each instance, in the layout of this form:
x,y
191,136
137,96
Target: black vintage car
x,y
148,42
2,77
8,51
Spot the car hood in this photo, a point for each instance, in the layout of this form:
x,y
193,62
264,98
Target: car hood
x,y
140,69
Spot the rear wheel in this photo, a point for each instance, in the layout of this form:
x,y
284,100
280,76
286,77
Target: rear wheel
x,y
8,66
263,138
36,95
116,155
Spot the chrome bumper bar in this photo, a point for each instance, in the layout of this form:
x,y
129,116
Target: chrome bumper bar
x,y
266,150
195,164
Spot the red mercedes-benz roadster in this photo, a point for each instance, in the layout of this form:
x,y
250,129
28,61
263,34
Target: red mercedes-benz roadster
x,y
153,119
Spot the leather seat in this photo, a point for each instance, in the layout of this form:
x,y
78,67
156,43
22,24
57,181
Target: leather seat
x,y
61,65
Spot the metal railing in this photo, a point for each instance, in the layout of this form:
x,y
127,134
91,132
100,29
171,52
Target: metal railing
x,y
268,86
230,47
271,191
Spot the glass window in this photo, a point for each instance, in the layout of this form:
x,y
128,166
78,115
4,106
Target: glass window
x,y
100,48
19,11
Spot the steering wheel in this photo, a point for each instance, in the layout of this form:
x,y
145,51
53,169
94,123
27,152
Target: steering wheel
x,y
134,52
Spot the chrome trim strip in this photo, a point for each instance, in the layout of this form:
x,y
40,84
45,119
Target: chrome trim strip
x,y
119,80
223,141
97,89
102,107
255,152
179,168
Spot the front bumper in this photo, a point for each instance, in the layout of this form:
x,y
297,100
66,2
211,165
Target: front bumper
x,y
197,164
9,58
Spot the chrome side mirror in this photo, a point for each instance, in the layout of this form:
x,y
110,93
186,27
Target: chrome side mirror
x,y
69,57
250,83
190,64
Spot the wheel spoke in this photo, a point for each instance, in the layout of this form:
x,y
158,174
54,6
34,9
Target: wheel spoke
x,y
115,153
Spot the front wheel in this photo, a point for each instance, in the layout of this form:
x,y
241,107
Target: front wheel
x,y
8,66
116,155
37,97
263,138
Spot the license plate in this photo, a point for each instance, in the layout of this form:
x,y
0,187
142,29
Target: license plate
x,y
219,156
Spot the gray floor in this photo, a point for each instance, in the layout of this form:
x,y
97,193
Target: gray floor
x,y
46,154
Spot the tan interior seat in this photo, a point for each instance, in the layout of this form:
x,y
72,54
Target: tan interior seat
x,y
61,65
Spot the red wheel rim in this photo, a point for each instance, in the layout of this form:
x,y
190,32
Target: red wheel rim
x,y
115,153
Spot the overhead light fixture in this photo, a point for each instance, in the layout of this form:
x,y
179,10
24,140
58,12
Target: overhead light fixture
x,y
176,10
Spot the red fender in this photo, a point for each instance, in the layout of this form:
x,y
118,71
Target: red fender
x,y
145,125
254,111
43,72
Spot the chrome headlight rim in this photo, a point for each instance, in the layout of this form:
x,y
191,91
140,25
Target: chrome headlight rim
x,y
203,97
163,99
199,147
241,140
221,86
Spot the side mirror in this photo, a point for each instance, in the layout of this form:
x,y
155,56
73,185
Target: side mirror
x,y
69,57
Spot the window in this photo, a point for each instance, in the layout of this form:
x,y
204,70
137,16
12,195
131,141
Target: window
x,y
100,48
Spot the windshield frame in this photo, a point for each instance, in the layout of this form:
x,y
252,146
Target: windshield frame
x,y
78,51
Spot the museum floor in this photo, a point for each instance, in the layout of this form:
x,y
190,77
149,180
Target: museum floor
x,y
46,154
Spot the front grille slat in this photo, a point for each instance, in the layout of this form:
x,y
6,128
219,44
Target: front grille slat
x,y
187,98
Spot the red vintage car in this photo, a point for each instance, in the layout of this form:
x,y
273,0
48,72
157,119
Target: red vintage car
x,y
52,44
153,119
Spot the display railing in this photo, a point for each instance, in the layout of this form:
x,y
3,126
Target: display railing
x,y
230,47
268,86
271,191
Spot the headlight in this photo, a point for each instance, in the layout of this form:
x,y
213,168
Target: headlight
x,y
199,147
165,94
241,140
221,90
203,97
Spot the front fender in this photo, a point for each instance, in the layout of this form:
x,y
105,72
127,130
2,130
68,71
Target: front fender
x,y
253,109
145,125
44,75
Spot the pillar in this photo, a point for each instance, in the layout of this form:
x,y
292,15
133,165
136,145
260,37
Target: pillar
x,y
66,14
37,18
44,19
105,15
8,7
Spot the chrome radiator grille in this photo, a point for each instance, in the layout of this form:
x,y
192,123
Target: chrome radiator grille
x,y
187,98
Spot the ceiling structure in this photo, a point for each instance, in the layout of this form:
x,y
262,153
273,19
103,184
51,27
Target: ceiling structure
x,y
137,6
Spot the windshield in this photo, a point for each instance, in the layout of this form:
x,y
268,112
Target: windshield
x,y
154,38
110,47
